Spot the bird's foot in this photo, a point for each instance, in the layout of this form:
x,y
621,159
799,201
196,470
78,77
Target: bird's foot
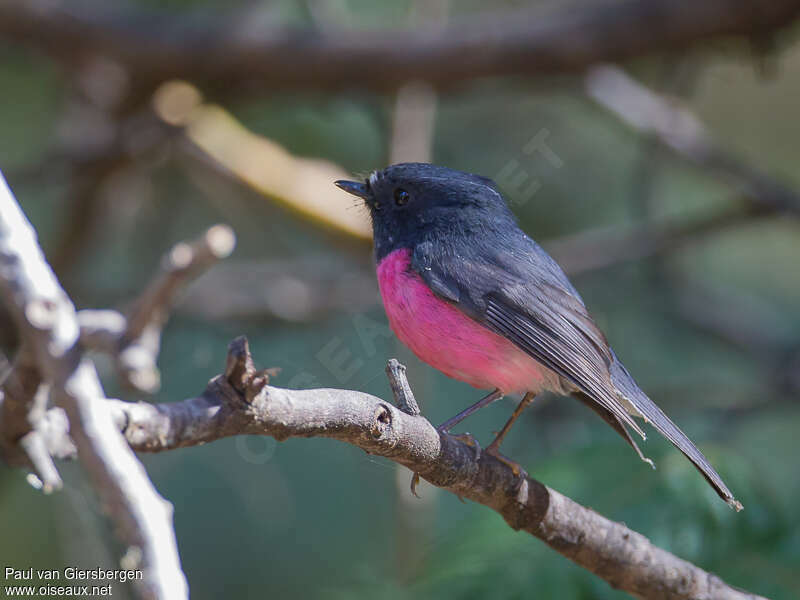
x,y
466,438
469,440
519,472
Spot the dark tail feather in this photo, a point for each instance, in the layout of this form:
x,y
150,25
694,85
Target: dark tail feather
x,y
612,420
656,417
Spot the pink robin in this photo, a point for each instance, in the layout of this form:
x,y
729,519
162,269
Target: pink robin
x,y
476,298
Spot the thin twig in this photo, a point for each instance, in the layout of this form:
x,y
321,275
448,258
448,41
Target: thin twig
x,y
184,262
134,341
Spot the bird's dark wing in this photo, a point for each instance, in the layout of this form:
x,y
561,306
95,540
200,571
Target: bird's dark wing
x,y
513,296
525,297
543,324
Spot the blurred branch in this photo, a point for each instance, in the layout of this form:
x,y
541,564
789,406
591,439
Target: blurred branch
x,y
128,138
745,321
134,341
677,128
213,137
241,402
182,264
732,319
530,42
413,124
677,75
297,289
748,323
48,323
414,112
602,248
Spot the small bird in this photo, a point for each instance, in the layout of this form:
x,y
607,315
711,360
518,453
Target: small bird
x,y
473,296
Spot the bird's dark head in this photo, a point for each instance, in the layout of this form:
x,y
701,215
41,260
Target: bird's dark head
x,y
411,201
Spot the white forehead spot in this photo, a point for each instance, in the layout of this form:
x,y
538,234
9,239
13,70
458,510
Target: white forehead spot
x,y
373,178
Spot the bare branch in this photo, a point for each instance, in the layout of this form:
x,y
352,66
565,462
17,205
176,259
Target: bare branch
x,y
140,345
677,128
529,42
241,403
135,341
184,262
601,248
48,324
296,289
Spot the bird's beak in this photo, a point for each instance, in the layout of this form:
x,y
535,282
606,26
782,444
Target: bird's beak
x,y
353,187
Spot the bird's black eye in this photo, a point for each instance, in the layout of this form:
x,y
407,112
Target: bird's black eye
x,y
401,197
376,205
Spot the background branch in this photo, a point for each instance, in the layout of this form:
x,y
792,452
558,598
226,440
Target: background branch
x,y
602,248
528,42
677,128
134,341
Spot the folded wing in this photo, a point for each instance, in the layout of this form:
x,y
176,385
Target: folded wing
x,y
528,299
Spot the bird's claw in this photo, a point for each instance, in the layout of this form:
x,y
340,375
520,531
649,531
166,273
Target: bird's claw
x,y
469,440
519,472
414,484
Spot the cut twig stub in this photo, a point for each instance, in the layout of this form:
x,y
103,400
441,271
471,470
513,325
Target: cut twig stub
x,y
239,367
401,389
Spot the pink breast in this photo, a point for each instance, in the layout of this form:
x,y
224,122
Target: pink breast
x,y
447,339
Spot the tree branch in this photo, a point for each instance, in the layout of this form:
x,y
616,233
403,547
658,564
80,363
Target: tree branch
x,y
48,325
134,341
600,248
241,402
520,43
674,126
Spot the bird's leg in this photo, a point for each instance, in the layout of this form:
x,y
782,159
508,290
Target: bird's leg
x,y
466,437
485,401
494,448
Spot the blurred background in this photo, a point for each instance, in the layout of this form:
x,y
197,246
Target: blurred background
x,y
667,186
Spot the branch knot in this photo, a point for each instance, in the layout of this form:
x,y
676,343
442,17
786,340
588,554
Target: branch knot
x,y
382,421
241,373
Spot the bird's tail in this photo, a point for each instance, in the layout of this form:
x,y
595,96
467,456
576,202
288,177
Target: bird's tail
x,y
651,413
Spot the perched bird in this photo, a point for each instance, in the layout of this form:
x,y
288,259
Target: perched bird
x,y
479,300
